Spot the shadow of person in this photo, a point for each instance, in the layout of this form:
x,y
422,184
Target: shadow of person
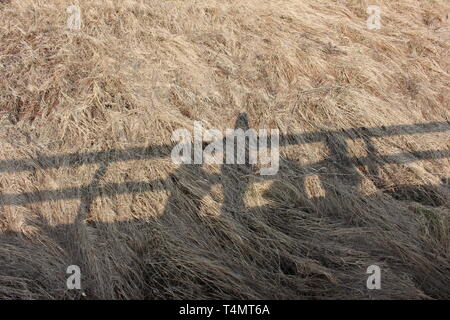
x,y
233,177
236,177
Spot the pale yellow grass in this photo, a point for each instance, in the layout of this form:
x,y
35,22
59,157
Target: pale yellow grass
x,y
137,70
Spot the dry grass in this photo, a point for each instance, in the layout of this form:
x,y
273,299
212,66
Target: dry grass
x,y
140,69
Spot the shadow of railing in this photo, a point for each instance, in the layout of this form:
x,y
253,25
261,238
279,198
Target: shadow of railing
x,y
112,189
163,151
335,141
339,163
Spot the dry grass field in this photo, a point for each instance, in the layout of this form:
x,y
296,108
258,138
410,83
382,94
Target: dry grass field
x,y
86,178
